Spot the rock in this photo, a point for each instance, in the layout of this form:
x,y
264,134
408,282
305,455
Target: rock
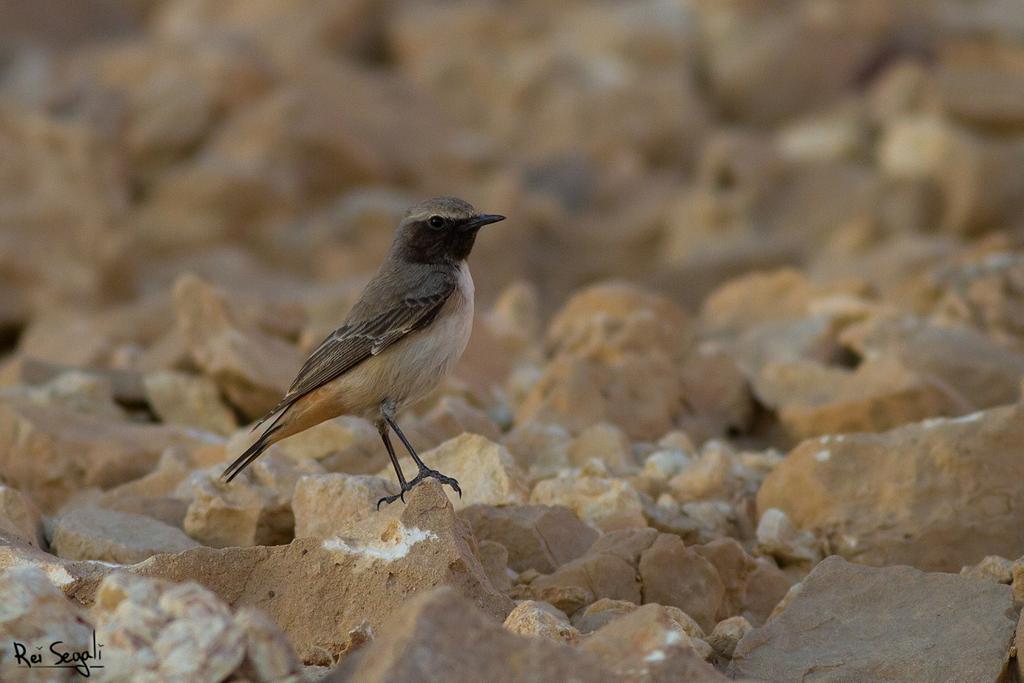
x,y
366,574
223,515
485,470
649,645
881,393
766,587
20,518
602,612
607,570
252,368
51,453
727,634
440,635
451,417
833,628
82,392
541,620
614,350
165,630
183,631
734,568
978,370
991,568
35,615
345,444
913,507
178,398
606,443
672,574
710,477
778,538
494,559
717,395
754,299
268,655
606,504
539,537
92,533
325,504
541,449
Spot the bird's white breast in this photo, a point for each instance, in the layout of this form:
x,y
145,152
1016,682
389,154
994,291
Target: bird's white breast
x,y
413,366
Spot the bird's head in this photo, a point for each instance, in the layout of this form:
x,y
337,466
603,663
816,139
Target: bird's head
x,y
440,229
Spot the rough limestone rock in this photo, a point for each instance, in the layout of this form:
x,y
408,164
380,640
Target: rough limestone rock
x,y
184,632
50,453
540,537
486,471
539,619
727,634
605,503
602,612
606,443
70,576
649,644
35,614
92,533
325,504
936,495
20,519
188,400
251,367
319,590
607,570
673,574
439,635
851,622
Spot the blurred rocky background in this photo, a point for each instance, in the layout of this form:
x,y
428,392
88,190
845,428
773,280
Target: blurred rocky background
x,y
742,398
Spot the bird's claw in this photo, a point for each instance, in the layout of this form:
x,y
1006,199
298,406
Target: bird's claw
x,y
425,473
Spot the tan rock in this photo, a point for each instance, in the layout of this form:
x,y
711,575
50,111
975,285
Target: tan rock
x,y
991,568
882,393
606,504
37,615
710,477
92,533
485,470
325,504
20,518
175,631
648,644
494,559
82,392
366,574
344,444
541,620
50,453
536,537
734,568
607,570
268,655
601,612
540,448
675,575
222,515
893,604
252,368
766,587
455,641
606,443
178,398
727,634
913,509
778,538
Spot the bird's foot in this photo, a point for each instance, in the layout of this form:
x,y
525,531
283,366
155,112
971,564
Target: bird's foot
x,y
424,473
427,473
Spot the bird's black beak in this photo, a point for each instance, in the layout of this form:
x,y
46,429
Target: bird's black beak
x,y
477,222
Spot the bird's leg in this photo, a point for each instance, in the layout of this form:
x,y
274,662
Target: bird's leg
x,y
382,427
388,413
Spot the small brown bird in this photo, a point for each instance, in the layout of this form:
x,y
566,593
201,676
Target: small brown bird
x,y
406,332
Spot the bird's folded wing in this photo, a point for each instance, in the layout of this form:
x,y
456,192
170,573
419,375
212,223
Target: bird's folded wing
x,y
355,341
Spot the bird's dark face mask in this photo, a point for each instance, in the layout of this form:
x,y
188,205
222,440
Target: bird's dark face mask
x,y
440,238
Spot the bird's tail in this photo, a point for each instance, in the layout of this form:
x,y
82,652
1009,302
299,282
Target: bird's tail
x,y
254,451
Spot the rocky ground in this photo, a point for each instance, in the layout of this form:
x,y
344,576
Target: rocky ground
x,y
743,398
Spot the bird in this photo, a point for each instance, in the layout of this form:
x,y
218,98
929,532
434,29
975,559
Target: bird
x,y
405,333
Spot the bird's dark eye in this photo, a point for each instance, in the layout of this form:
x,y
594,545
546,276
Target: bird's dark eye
x,y
436,222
